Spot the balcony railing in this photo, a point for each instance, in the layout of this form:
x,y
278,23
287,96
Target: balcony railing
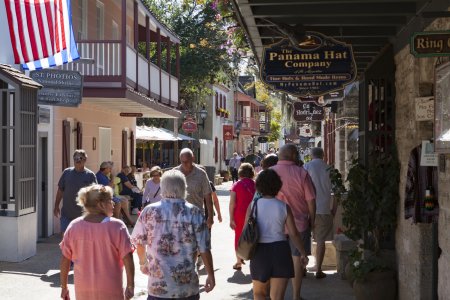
x,y
141,74
249,125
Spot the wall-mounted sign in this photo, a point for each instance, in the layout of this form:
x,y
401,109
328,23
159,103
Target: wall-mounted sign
x,y
305,112
60,88
424,109
263,139
189,125
430,43
137,115
228,132
315,67
325,99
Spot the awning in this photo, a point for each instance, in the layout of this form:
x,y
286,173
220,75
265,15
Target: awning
x,y
150,133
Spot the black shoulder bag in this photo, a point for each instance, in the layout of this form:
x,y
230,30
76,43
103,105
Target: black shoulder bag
x,y
248,241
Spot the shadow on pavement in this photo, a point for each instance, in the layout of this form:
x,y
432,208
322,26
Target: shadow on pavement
x,y
245,295
222,193
239,278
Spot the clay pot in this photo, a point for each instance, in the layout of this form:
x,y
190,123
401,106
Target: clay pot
x,y
348,274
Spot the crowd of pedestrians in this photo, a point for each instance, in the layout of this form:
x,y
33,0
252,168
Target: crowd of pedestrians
x,y
172,234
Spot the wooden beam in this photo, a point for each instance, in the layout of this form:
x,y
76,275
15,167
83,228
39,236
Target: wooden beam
x,y
327,9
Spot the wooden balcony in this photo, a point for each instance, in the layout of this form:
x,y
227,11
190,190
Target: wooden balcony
x,y
249,126
114,67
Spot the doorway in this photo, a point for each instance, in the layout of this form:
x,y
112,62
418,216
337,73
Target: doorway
x,y
104,150
43,205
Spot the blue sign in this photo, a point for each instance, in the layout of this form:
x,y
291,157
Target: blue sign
x,y
317,66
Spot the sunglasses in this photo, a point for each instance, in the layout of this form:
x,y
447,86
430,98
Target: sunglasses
x,y
79,158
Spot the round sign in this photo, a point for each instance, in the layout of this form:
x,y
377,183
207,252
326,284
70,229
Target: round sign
x,y
189,125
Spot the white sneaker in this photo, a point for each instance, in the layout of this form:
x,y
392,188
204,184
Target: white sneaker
x,y
135,211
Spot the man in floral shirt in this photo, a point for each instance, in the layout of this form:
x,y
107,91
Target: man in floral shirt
x,y
168,235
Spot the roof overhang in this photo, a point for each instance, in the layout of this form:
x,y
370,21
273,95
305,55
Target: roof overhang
x,y
368,25
134,102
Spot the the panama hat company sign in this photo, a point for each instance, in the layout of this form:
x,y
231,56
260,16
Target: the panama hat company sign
x,y
316,66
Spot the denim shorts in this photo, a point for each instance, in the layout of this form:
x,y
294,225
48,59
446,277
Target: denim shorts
x,y
306,238
64,221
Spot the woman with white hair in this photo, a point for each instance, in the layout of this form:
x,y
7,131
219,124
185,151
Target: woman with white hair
x,y
167,236
99,247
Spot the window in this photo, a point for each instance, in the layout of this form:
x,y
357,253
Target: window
x,y
115,31
82,19
100,9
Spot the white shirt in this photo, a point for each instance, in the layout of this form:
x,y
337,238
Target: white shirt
x,y
271,220
320,175
235,162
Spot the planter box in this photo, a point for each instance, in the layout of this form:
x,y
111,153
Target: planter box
x,y
343,246
329,260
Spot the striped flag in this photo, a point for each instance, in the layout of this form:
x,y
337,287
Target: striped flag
x,y
41,32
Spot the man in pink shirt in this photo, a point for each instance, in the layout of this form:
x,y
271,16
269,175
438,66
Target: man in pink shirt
x,y
298,192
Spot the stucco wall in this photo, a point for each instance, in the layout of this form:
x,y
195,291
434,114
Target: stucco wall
x,y
92,117
414,77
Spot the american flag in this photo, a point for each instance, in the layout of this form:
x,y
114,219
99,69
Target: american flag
x,y
41,32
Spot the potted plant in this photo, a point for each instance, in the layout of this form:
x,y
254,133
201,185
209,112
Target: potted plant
x,y
370,215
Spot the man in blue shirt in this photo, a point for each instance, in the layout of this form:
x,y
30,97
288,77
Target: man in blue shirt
x,y
129,190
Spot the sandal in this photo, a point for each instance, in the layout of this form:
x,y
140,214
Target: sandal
x,y
237,266
320,275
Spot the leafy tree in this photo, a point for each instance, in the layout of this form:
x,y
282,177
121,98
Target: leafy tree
x,y
210,43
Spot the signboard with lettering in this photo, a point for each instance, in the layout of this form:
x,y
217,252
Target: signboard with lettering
x,y
325,99
430,43
308,112
424,109
317,66
189,125
60,88
137,115
228,132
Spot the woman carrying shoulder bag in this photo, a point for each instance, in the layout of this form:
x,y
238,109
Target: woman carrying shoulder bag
x,y
152,191
272,262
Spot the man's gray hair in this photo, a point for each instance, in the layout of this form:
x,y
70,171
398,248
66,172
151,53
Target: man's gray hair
x,y
173,185
317,152
288,152
186,151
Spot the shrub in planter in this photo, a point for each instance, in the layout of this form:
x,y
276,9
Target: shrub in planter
x,y
370,215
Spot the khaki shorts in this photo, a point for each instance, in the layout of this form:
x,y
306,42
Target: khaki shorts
x,y
323,229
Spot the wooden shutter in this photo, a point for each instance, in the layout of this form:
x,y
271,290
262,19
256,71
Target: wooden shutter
x,y
65,144
79,136
217,100
132,148
216,150
124,147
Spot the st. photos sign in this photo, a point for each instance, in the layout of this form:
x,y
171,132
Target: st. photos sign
x,y
317,66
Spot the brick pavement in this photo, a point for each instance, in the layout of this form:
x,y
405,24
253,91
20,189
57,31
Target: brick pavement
x,y
38,277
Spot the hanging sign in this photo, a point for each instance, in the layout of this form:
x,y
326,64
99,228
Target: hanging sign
x,y
189,125
325,99
304,112
430,43
317,66
227,132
